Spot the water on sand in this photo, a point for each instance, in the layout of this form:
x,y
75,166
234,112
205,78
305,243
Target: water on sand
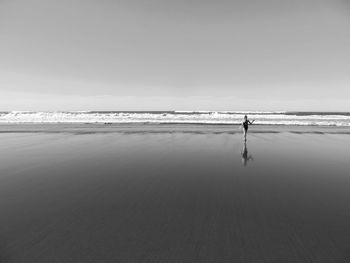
x,y
172,194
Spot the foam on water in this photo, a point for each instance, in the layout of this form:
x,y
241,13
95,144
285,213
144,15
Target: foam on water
x,y
168,117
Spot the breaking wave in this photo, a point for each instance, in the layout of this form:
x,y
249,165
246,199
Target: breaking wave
x,y
182,117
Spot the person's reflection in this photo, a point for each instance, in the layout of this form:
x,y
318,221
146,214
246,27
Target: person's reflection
x,y
245,156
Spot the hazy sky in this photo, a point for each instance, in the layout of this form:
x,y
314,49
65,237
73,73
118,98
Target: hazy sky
x,y
175,54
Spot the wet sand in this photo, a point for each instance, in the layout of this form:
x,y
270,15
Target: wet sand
x,y
174,193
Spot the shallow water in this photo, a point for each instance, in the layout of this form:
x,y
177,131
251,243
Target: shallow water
x,y
193,194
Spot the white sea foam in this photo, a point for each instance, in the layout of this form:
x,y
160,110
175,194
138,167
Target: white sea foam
x,y
198,117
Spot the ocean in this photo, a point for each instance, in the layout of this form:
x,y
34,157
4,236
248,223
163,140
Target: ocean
x,y
180,117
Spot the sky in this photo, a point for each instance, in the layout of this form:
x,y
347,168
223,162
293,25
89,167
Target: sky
x,y
175,55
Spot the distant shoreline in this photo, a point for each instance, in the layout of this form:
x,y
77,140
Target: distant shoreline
x,y
95,128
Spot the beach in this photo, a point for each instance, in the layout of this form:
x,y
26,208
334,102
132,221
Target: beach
x,y
174,193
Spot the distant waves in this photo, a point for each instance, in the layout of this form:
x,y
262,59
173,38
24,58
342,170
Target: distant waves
x,y
183,117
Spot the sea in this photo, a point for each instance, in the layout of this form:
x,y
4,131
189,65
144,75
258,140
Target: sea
x,y
180,117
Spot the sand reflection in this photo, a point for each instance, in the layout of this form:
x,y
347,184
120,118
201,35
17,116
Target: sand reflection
x,y
246,157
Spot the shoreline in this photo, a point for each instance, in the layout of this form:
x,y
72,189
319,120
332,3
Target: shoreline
x,y
74,193
166,128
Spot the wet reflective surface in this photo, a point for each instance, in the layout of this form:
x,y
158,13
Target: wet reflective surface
x,y
174,197
245,155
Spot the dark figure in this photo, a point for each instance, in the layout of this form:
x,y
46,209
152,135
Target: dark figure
x,y
245,156
245,125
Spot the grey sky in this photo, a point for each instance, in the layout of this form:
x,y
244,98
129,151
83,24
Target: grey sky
x,y
183,54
